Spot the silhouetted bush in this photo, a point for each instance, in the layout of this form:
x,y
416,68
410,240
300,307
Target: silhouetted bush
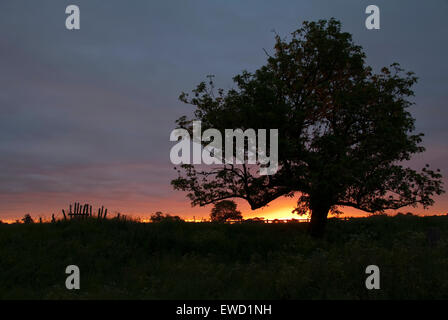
x,y
27,219
225,210
161,217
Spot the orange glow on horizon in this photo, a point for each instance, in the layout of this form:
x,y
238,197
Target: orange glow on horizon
x,y
14,207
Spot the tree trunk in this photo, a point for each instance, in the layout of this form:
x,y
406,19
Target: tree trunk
x,y
318,221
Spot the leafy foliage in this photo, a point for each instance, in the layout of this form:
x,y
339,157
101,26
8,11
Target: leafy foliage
x,y
344,131
161,217
27,219
225,210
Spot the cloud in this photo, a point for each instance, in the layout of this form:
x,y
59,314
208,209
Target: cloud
x,y
90,111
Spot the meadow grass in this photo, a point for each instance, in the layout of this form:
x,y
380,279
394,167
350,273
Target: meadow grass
x,y
176,260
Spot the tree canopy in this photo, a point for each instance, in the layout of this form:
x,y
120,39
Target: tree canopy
x,y
27,219
225,210
345,132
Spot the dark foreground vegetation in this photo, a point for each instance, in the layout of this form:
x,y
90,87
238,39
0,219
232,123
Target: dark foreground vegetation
x,y
177,260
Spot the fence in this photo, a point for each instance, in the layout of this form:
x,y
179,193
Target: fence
x,y
83,212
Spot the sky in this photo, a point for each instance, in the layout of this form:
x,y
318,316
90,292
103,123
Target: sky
x,y
85,115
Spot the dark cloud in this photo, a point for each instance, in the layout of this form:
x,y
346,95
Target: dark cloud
x,y
90,111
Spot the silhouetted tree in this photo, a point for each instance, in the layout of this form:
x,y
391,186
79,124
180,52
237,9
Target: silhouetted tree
x,y
344,131
225,210
161,217
27,219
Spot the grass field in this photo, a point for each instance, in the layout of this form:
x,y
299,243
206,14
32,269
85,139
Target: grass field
x,y
172,260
